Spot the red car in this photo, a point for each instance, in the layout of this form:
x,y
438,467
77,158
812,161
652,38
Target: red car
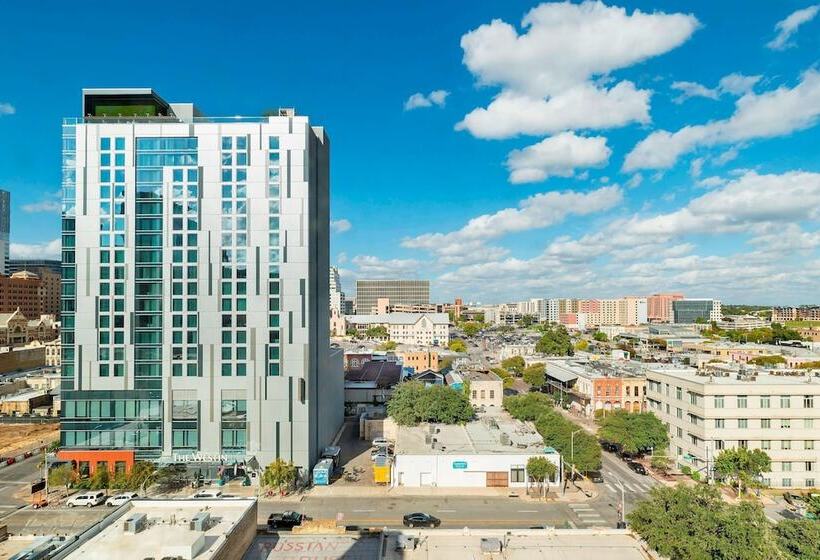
x,y
11,461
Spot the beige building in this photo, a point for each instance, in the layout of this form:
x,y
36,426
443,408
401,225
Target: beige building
x,y
423,329
779,414
486,388
421,360
53,348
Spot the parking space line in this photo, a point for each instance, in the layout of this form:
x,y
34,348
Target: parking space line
x,y
363,510
445,511
527,511
609,486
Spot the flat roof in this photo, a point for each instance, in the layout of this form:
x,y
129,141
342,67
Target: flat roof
x,y
167,533
760,378
476,375
482,436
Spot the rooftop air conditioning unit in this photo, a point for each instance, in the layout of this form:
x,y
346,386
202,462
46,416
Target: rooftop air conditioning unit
x,y
504,438
491,546
135,523
406,542
200,522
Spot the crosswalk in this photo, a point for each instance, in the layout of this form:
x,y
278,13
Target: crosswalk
x,y
629,487
587,515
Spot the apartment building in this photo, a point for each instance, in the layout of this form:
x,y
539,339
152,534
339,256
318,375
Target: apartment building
x,y
22,290
423,329
802,313
659,307
195,289
407,292
421,360
705,414
696,310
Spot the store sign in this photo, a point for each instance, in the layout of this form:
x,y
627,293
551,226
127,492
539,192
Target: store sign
x,y
459,464
201,458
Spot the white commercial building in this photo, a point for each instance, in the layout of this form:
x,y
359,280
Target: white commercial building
x,y
705,414
195,284
490,452
422,329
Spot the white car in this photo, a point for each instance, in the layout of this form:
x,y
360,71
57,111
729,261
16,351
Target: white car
x,y
119,499
88,499
382,442
207,494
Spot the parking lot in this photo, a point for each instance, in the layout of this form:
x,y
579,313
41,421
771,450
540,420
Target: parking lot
x,y
356,468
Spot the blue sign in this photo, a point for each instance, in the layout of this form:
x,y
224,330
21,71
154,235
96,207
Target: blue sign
x,y
459,464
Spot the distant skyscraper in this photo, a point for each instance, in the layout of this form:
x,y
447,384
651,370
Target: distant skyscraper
x,y
406,292
5,229
195,255
337,296
659,307
696,310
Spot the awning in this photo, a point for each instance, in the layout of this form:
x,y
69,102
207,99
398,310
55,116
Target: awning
x,y
560,374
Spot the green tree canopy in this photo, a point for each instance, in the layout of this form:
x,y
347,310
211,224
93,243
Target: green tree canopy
x,y
799,539
634,432
279,474
528,406
741,466
541,470
471,328
379,331
694,523
63,476
505,376
412,403
526,321
768,361
514,364
457,345
600,337
535,374
387,345
554,342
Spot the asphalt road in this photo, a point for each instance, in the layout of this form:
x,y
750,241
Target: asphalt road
x,y
13,478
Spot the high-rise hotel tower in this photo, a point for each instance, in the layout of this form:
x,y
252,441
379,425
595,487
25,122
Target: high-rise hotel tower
x,y
195,287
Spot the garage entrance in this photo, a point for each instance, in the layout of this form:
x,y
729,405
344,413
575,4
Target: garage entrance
x,y
497,479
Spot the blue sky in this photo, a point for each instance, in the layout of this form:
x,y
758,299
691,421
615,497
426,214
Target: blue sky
x,y
504,150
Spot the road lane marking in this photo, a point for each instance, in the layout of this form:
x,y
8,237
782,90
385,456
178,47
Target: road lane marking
x,y
445,511
609,486
363,510
592,514
628,487
591,521
527,511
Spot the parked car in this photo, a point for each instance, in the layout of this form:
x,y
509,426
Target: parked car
x,y
595,476
87,499
208,494
119,499
637,467
286,520
376,453
420,520
382,442
609,446
11,461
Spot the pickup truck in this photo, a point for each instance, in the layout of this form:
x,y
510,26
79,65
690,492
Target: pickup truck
x,y
286,520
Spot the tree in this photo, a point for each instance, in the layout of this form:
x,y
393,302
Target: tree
x,y
171,478
541,470
535,374
634,432
528,406
742,466
581,345
379,331
514,364
387,345
694,523
505,376
99,480
471,328
412,403
278,474
63,476
139,475
661,463
526,321
457,345
555,342
799,538
600,337
768,361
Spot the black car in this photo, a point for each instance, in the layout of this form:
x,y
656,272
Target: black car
x,y
595,476
611,447
285,520
420,520
637,467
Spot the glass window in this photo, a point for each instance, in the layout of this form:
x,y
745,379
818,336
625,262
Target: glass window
x,y
785,401
742,401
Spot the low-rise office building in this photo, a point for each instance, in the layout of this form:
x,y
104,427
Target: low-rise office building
x,y
486,388
708,412
220,529
596,385
424,329
490,452
420,360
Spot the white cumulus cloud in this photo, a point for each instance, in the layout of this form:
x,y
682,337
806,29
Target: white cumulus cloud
x,y
787,27
769,114
436,97
546,74
7,109
557,155
733,84
340,226
374,267
46,250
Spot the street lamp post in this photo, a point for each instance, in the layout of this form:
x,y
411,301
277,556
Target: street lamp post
x,y
623,502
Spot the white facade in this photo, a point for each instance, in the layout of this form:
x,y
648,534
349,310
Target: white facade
x,y
337,296
423,329
201,258
779,414
464,471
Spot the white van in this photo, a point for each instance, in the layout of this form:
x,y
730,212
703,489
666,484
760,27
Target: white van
x,y
90,498
208,494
